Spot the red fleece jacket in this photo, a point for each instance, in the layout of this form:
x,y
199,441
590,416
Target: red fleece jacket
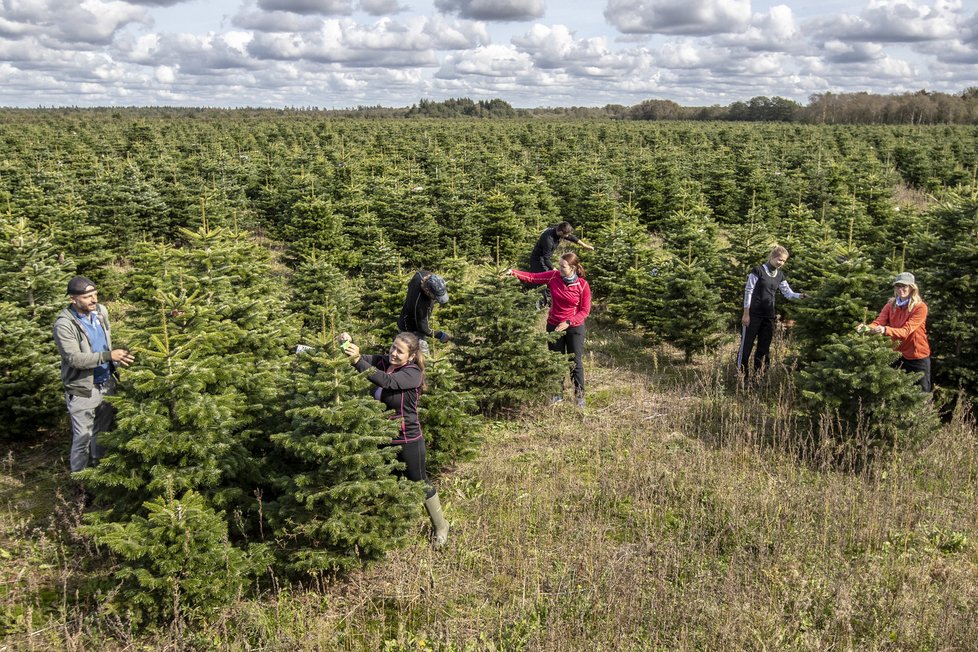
x,y
570,302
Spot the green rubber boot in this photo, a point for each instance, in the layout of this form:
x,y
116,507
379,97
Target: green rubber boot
x,y
439,526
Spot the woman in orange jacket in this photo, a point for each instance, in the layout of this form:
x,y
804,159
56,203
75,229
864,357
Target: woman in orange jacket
x,y
904,319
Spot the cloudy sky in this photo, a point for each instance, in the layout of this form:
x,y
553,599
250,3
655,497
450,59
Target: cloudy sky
x,y
531,53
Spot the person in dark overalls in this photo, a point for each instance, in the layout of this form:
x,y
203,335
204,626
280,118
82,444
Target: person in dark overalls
x,y
759,316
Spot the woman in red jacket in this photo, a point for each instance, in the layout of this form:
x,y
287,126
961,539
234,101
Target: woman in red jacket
x,y
570,307
904,319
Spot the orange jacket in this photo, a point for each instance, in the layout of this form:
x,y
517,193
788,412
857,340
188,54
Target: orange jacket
x,y
908,328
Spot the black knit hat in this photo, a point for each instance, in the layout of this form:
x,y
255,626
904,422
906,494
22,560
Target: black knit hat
x,y
80,285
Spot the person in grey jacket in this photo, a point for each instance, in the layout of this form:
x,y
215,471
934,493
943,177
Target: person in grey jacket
x,y
84,340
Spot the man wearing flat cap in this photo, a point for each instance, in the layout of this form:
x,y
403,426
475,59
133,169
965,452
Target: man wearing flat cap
x,y
84,340
424,289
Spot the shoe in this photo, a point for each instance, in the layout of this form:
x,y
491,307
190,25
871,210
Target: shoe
x,y
580,402
556,399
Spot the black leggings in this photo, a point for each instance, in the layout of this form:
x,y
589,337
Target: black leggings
x,y
412,454
572,341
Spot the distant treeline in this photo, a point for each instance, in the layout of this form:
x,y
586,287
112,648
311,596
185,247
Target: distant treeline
x,y
917,108
920,107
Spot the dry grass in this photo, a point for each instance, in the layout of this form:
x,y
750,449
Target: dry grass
x,y
670,514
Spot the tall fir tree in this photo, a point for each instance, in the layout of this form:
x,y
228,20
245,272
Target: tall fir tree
x,y
33,278
945,261
449,415
30,384
181,421
33,271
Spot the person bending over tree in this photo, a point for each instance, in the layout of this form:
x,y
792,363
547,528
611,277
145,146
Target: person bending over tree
x,y
570,308
904,319
423,290
543,251
758,319
399,377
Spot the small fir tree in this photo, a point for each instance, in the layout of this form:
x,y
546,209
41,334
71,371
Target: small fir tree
x,y
177,563
500,351
620,245
690,318
852,381
843,285
339,502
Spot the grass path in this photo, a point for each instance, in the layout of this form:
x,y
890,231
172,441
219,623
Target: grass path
x,y
626,527
655,519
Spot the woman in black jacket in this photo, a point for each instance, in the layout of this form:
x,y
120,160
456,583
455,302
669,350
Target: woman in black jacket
x,y
399,377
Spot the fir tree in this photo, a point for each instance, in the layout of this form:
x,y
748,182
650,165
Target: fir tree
x,y
689,319
946,261
30,384
322,295
339,502
851,380
843,285
33,273
620,245
500,351
501,225
177,564
312,227
406,213
448,414
384,291
181,417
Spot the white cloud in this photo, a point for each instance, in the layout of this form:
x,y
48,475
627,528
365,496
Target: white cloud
x,y
894,21
775,31
87,23
385,43
688,17
330,53
488,61
165,74
500,10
